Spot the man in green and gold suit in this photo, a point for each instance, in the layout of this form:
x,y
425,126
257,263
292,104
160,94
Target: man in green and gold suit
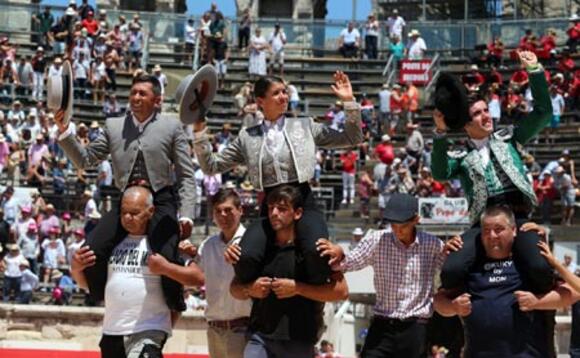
x,y
491,170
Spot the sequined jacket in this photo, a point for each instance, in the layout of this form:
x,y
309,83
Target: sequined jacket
x,y
302,134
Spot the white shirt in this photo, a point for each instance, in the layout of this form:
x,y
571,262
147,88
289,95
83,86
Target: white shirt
x,y
557,104
189,34
90,206
494,108
372,28
81,69
293,92
385,101
277,41
396,26
29,281
53,252
141,125
417,49
134,300
13,265
350,37
221,306
105,167
482,146
162,81
73,248
53,71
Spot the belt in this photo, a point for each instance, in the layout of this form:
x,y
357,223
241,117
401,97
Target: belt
x,y
394,321
234,323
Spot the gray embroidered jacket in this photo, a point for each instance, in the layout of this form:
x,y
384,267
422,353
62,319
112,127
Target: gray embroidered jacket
x,y
302,134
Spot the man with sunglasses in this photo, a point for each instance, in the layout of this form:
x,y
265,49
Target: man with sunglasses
x,y
404,261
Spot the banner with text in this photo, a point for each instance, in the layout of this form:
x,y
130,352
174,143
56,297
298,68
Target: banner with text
x,y
415,71
443,211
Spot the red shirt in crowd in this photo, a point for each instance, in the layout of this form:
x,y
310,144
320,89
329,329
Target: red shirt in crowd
x,y
574,31
91,25
495,49
385,153
348,160
547,44
520,76
495,77
566,64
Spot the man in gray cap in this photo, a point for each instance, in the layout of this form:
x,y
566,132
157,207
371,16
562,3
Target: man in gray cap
x,y
404,261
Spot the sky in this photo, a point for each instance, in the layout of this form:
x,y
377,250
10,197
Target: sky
x,y
336,8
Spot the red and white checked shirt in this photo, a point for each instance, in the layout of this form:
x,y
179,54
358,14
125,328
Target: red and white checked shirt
x,y
404,276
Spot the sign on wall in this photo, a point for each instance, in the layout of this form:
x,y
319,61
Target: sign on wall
x,y
415,71
443,211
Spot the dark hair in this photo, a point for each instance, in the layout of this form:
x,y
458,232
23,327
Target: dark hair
x,y
146,78
288,194
224,194
497,210
262,85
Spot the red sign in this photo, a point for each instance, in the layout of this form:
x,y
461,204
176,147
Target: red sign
x,y
415,71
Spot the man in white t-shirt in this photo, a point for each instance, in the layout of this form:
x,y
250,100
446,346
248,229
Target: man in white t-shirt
x,y
416,47
396,24
227,317
349,41
81,69
384,108
277,40
137,320
161,77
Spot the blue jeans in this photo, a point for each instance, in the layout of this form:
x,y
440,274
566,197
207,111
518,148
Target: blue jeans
x,y
260,347
11,284
25,297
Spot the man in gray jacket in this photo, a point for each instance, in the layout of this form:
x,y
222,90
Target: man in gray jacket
x,y
146,149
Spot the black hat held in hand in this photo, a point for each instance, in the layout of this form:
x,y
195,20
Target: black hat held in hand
x,y
451,99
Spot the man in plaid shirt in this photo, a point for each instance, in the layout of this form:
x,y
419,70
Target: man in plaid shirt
x,y
405,262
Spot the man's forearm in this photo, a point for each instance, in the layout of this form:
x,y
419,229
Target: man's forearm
x,y
443,305
238,290
335,290
190,275
558,298
80,278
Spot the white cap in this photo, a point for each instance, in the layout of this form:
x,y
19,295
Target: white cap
x,y
358,231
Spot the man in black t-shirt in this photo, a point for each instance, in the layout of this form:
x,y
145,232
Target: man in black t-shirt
x,y
499,315
286,318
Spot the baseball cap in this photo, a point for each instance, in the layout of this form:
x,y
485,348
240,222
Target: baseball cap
x,y
401,208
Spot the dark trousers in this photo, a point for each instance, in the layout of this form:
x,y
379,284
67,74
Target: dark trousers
x,y
395,339
309,229
11,284
81,88
112,84
260,347
163,236
243,37
25,297
114,347
535,270
371,46
575,334
348,50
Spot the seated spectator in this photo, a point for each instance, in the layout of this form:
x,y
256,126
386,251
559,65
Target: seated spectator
x,y
519,80
474,79
28,283
495,52
416,46
10,265
349,41
573,32
54,253
79,240
566,64
111,107
547,48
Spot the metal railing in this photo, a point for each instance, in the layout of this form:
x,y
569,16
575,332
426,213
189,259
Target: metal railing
x,y
165,31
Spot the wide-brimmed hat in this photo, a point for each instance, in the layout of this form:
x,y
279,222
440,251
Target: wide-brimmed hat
x,y
246,185
196,93
414,32
56,274
358,231
13,247
95,215
60,92
385,138
451,100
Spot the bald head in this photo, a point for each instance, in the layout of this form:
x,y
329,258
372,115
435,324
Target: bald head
x,y
136,210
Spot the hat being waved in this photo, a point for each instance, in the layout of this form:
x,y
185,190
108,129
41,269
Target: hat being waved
x,y
452,101
196,93
60,92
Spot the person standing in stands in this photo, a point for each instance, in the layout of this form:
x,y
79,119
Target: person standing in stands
x,y
279,151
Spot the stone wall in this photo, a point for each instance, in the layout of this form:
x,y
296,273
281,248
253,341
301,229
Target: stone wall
x,y
79,328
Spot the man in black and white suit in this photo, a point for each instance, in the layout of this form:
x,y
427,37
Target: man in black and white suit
x,y
147,148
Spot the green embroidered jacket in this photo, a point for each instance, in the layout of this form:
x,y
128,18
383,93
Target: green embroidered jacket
x,y
467,167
